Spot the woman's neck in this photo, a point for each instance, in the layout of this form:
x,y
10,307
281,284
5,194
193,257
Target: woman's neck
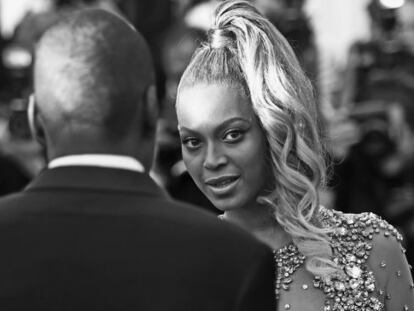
x,y
259,221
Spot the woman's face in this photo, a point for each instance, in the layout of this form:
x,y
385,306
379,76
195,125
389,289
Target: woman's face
x,y
223,145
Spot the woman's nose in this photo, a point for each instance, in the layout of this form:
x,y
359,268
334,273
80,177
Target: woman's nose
x,y
214,158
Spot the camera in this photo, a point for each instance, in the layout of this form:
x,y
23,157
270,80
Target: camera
x,y
18,122
379,123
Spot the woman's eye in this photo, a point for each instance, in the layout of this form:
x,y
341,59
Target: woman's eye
x,y
191,143
233,136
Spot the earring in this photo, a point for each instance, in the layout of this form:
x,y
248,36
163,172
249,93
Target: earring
x,y
301,126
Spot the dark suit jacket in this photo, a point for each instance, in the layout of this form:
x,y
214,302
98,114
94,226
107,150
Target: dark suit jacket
x,y
88,238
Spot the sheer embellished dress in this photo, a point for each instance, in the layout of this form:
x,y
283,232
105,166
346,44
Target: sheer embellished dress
x,y
376,274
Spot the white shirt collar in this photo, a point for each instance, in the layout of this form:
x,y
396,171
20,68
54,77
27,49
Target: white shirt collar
x,y
101,160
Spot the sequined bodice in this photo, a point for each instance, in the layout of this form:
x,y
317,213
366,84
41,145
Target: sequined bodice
x,y
351,241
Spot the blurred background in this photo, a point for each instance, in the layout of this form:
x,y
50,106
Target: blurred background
x,y
359,54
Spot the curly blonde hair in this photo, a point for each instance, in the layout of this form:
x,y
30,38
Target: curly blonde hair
x,y
246,51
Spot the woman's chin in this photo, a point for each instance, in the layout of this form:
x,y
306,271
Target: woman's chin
x,y
226,204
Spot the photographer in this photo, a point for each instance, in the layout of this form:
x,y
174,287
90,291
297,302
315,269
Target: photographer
x,y
374,171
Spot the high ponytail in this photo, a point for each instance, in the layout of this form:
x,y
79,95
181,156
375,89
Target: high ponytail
x,y
245,50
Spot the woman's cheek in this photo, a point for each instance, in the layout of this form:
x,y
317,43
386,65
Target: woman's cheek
x,y
193,165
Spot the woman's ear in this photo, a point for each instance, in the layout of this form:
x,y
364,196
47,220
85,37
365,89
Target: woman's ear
x,y
35,126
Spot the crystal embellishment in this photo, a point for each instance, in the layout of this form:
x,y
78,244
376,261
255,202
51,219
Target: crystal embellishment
x,y
353,271
341,231
355,283
339,286
353,286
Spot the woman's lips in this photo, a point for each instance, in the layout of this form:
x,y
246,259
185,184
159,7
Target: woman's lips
x,y
223,184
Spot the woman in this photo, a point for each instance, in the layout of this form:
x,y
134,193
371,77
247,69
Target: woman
x,y
247,122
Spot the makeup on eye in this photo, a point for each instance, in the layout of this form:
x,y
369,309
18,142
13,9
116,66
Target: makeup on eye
x,y
190,142
234,126
233,135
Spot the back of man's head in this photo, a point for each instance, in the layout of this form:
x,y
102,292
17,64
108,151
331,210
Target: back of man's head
x,y
92,72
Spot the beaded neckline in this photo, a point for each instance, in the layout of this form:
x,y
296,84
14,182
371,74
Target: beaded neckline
x,y
351,245
287,259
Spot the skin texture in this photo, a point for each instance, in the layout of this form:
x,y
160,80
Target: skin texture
x,y
221,136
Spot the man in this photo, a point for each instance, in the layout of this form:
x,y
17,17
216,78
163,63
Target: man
x,y
93,231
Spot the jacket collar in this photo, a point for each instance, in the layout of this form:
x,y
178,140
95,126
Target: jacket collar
x,y
95,178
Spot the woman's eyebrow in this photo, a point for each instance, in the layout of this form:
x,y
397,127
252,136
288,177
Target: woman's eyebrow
x,y
232,120
221,125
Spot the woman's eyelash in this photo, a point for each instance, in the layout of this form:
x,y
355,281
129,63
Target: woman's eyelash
x,y
190,143
233,136
186,139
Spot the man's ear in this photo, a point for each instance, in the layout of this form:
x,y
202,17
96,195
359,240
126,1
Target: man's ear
x,y
35,126
150,111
